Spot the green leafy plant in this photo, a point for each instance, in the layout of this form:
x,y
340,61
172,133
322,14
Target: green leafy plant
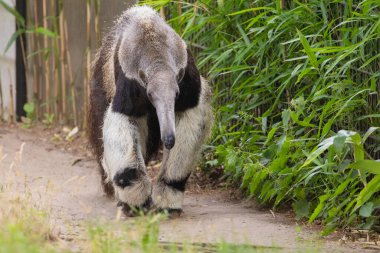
x,y
22,27
30,111
48,119
287,77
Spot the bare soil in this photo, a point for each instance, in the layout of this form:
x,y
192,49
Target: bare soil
x,y
63,176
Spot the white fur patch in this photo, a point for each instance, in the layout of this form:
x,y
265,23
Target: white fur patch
x,y
122,149
135,195
165,197
118,134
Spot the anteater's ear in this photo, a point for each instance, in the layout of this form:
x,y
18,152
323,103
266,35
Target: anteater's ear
x,y
180,75
189,87
143,76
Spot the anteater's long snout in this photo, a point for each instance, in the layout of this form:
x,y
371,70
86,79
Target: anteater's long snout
x,y
169,141
163,93
166,119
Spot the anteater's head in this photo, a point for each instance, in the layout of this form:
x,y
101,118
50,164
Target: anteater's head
x,y
162,91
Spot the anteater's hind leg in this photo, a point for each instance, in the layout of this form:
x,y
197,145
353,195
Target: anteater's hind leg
x,y
123,160
107,185
192,128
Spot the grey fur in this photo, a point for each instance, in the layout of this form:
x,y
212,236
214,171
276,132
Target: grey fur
x,y
145,39
150,52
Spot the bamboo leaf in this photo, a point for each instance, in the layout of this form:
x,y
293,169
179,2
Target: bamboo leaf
x,y
13,38
368,133
366,210
371,188
370,166
308,50
251,10
45,32
19,18
319,208
322,147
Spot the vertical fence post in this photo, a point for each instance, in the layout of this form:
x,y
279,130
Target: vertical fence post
x,y
62,50
1,101
20,65
47,66
11,110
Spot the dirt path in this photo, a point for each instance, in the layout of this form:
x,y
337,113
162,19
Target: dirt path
x,y
71,188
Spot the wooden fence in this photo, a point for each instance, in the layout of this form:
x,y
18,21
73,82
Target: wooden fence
x,y
61,40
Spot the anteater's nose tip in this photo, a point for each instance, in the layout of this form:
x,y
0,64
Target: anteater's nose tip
x,y
169,141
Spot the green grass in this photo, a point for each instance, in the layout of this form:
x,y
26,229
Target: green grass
x,y
27,229
23,228
28,226
296,97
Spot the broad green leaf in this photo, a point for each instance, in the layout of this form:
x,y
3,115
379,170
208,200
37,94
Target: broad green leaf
x,y
264,124
367,192
29,107
322,147
255,20
303,73
309,52
339,142
19,18
243,34
366,210
342,187
368,133
368,116
285,118
220,4
370,166
45,32
319,208
270,135
251,10
358,152
327,127
13,38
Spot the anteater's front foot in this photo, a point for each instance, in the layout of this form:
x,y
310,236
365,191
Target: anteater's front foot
x,y
133,211
168,197
133,191
171,212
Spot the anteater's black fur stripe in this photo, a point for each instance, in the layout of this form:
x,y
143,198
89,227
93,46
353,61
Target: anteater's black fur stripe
x,y
127,177
154,138
189,87
130,97
179,185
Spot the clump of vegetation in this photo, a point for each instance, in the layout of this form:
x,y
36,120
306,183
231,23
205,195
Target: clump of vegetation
x,y
296,92
28,228
23,228
29,231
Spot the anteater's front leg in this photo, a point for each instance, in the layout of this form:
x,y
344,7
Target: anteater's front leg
x,y
123,160
192,128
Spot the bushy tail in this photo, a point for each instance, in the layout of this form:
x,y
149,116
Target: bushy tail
x,y
98,106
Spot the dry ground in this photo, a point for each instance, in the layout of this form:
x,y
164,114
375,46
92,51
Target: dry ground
x,y
64,178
